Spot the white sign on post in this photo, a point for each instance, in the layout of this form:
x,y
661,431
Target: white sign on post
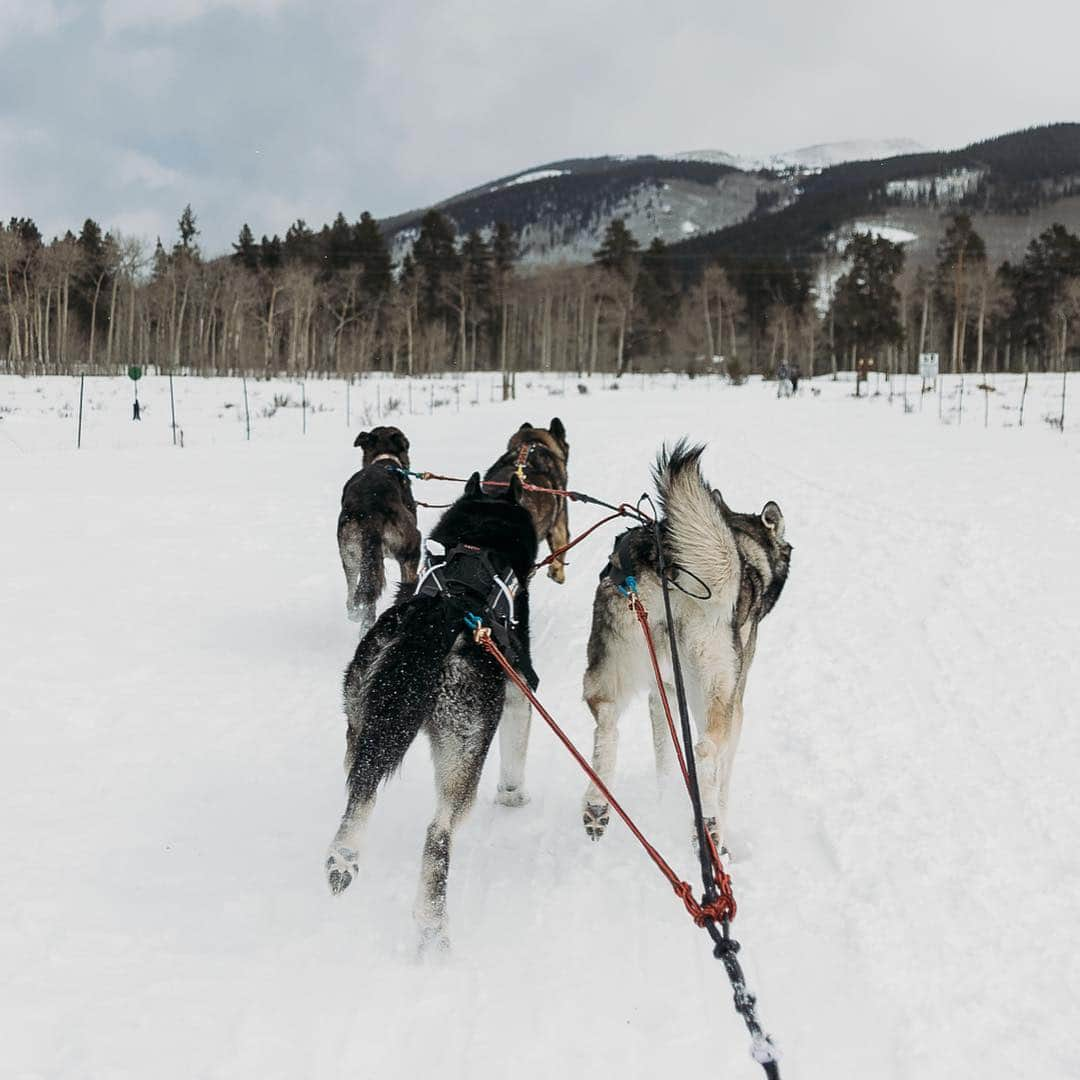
x,y
928,365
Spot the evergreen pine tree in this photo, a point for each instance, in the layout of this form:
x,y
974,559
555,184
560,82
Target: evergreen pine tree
x,y
160,262
658,289
300,243
478,266
271,253
504,250
619,250
371,252
245,250
338,244
437,259
866,301
188,228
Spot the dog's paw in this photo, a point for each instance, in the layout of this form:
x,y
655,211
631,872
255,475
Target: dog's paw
x,y
434,944
596,817
341,868
511,796
557,572
714,832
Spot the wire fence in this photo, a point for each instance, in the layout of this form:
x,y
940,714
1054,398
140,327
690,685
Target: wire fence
x,y
185,411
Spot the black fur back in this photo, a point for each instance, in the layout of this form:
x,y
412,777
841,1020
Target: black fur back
x,y
397,675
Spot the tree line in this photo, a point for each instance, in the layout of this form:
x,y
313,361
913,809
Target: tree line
x,y
1013,317
332,301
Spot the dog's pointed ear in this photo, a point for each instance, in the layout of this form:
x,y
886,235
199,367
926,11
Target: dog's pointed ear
x,y
472,487
773,519
525,427
514,490
556,428
363,440
401,443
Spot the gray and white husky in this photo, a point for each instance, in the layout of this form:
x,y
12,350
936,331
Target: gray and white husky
x,y
732,567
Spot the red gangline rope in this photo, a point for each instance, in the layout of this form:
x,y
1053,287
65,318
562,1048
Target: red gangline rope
x,y
699,913
577,539
725,904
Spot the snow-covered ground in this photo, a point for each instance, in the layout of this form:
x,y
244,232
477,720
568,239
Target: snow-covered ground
x,y
905,811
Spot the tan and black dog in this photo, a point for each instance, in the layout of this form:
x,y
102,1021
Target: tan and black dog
x,y
538,457
377,520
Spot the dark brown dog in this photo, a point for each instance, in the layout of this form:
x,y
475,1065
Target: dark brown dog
x,y
378,519
538,456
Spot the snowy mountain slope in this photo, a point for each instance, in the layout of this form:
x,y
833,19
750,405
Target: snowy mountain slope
x,y
823,155
720,206
1011,185
559,211
904,807
811,158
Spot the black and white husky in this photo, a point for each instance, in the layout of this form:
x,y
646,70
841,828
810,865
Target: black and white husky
x,y
732,568
420,669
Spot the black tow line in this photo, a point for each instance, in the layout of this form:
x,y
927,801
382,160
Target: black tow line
x,y
725,947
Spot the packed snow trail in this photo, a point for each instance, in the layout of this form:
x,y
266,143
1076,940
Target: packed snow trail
x,y
904,809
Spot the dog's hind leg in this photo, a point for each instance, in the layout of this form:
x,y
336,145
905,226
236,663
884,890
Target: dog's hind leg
x,y
343,858
605,686
513,746
558,537
370,582
595,810
724,720
715,754
661,734
408,557
351,560
459,760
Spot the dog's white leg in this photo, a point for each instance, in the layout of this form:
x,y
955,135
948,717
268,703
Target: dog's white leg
x,y
596,812
343,858
458,764
513,747
558,537
364,614
351,570
713,753
661,734
727,764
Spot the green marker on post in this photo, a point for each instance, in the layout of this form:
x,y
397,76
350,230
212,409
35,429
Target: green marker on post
x,y
135,374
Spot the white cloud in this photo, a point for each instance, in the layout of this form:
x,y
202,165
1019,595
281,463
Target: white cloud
x,y
135,169
21,17
268,110
145,225
126,14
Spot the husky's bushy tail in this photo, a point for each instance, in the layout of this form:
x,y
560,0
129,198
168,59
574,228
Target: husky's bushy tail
x,y
391,688
700,537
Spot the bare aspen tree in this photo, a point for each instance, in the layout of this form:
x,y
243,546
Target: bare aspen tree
x,y
274,287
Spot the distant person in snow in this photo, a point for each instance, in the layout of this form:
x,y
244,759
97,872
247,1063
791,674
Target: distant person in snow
x,y
782,388
793,375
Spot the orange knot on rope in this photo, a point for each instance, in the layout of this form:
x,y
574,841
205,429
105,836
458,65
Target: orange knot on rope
x,y
685,893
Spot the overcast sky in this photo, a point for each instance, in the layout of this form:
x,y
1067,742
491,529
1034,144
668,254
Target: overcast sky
x,y
268,110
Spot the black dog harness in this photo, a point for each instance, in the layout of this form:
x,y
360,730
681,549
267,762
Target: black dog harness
x,y
469,579
620,566
620,570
